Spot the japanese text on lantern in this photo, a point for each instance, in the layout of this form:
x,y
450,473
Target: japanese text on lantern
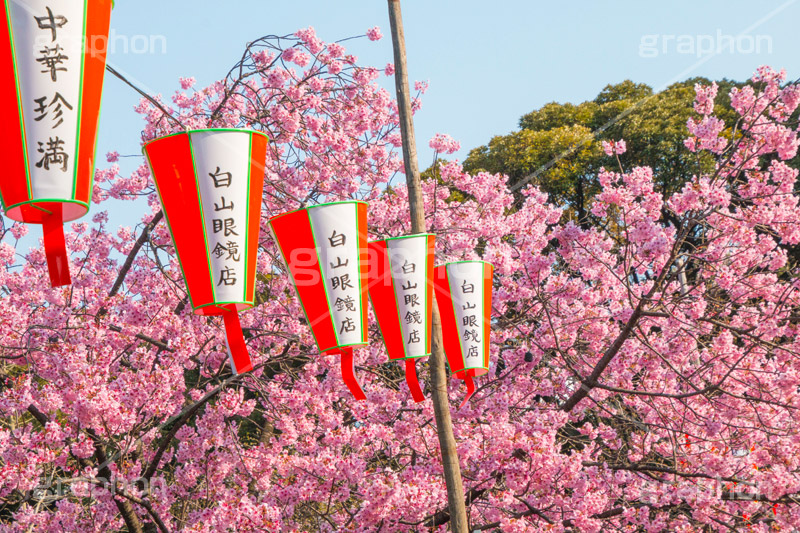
x,y
408,260
412,302
472,332
408,263
467,297
335,228
341,285
224,239
222,167
51,107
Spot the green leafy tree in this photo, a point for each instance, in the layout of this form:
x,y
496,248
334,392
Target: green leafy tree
x,y
559,145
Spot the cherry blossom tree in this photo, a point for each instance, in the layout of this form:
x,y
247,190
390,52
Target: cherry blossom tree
x,y
645,373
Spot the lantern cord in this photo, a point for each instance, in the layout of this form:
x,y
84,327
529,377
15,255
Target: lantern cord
x,y
349,373
55,249
237,350
413,382
470,390
152,100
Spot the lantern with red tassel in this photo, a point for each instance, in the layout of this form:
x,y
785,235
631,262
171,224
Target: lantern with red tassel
x,y
52,61
401,291
210,184
325,250
464,297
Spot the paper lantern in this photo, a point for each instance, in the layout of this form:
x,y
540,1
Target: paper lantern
x,y
325,250
401,291
464,297
52,61
210,184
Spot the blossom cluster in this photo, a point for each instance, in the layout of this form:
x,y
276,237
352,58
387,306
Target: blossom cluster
x,y
644,371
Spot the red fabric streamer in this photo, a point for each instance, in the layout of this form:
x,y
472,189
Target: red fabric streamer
x,y
349,373
55,249
413,382
470,389
240,359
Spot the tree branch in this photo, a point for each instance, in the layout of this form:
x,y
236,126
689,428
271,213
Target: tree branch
x,y
154,342
128,514
135,250
181,419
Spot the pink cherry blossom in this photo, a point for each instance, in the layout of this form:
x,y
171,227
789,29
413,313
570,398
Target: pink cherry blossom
x,y
614,147
374,34
649,369
444,144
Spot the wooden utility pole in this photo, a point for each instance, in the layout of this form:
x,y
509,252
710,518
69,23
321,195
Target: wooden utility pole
x,y
441,405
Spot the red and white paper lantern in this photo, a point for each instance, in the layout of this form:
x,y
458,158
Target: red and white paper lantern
x,y
464,297
325,250
52,61
401,291
210,184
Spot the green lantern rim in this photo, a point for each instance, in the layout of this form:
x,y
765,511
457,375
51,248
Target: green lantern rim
x,y
315,206
404,237
205,130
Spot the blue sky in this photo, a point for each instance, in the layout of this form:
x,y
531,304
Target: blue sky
x,y
488,63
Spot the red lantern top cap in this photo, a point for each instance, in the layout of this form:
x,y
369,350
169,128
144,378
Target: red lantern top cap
x,y
276,217
466,261
204,130
440,269
405,237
